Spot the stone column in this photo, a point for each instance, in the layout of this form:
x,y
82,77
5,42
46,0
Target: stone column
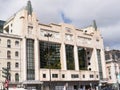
x,y
63,57
36,51
76,58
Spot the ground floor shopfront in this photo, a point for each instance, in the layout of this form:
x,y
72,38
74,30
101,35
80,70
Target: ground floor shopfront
x,y
71,85
64,85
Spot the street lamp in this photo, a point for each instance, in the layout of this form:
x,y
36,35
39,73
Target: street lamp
x,y
48,35
117,79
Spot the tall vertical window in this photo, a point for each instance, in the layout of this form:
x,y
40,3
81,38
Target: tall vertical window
x,y
99,63
30,59
16,77
9,54
16,54
82,58
8,65
9,43
49,55
70,57
16,43
83,76
16,65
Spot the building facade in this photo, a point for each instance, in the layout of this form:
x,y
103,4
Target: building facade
x,y
51,57
10,56
113,67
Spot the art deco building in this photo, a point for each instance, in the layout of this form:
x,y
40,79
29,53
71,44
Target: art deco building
x,y
55,56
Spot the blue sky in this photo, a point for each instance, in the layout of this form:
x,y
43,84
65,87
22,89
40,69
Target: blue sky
x,y
79,13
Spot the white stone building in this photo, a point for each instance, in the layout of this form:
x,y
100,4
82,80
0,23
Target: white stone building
x,y
68,58
113,67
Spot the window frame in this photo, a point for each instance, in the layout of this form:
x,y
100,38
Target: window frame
x,y
9,43
16,54
16,43
8,54
16,65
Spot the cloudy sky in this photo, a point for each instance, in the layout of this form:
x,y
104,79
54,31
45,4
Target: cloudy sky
x,y
80,13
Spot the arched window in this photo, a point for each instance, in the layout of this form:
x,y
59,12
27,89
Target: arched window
x,y
8,43
16,54
16,43
9,54
8,65
16,77
16,65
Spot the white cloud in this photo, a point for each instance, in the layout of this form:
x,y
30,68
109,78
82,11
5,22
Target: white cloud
x,y
81,12
111,35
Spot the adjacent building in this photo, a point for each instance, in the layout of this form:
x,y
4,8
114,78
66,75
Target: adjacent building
x,y
51,57
113,67
1,25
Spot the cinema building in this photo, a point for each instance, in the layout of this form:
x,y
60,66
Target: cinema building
x,y
51,57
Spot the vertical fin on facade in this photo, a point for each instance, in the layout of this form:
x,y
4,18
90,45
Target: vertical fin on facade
x,y
29,7
94,25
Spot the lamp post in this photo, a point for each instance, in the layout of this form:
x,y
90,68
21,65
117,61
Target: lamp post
x,y
116,64
48,35
117,83
117,79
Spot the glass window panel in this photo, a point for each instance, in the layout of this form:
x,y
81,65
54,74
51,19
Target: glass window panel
x,y
49,55
70,57
30,59
82,58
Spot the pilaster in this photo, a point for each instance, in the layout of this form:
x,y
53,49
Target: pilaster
x,y
63,57
76,58
37,68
